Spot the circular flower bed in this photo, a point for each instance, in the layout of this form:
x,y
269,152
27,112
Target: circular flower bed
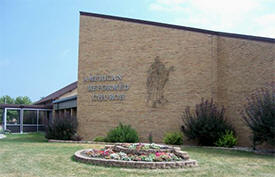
x,y
136,155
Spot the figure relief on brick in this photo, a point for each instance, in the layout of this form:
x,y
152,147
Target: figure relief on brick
x,y
157,77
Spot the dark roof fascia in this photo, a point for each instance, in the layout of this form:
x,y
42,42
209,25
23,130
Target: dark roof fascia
x,y
224,34
2,106
65,99
58,93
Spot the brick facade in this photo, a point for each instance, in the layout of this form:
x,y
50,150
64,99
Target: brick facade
x,y
205,65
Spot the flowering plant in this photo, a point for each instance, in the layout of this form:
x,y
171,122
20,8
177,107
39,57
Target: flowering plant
x,y
109,153
151,157
141,146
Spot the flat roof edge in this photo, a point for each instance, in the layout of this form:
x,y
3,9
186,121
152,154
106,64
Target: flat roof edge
x,y
223,34
2,106
65,99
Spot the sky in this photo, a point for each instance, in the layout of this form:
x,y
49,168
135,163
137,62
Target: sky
x,y
39,38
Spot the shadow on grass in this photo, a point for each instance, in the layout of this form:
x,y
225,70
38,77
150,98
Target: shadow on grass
x,y
228,153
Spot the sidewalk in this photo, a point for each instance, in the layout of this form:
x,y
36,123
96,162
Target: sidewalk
x,y
2,136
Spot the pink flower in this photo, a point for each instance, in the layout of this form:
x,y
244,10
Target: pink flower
x,y
160,154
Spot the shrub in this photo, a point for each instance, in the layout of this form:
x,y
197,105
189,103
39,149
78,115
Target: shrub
x,y
122,133
62,128
259,116
76,137
227,140
206,124
175,138
100,139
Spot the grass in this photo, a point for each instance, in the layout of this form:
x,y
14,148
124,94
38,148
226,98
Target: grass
x,y
31,155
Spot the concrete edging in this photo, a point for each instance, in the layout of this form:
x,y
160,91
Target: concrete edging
x,y
2,136
241,149
78,142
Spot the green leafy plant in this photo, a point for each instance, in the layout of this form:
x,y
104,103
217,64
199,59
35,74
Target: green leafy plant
x,y
150,138
62,128
7,131
175,138
227,140
122,133
100,139
259,116
205,124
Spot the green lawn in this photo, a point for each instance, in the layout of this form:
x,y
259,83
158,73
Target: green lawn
x,y
31,155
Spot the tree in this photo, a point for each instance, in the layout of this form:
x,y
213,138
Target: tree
x,y
9,100
22,100
6,100
19,100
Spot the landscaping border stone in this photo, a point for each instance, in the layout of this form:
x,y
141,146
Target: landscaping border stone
x,y
81,157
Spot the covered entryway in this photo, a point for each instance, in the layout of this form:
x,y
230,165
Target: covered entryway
x,y
25,118
65,107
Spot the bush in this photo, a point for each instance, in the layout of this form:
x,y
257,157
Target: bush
x,y
62,128
122,133
206,124
175,138
100,139
259,116
227,140
76,137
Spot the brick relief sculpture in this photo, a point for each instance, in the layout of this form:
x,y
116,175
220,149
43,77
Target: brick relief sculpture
x,y
158,75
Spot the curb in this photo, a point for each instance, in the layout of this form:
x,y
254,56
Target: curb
x,y
241,149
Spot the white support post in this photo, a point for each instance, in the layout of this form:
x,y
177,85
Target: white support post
x,y
5,119
21,120
37,119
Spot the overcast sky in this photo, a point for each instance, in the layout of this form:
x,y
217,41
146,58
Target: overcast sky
x,y
39,38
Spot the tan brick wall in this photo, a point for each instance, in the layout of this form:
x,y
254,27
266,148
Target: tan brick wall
x,y
203,68
243,66
68,94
